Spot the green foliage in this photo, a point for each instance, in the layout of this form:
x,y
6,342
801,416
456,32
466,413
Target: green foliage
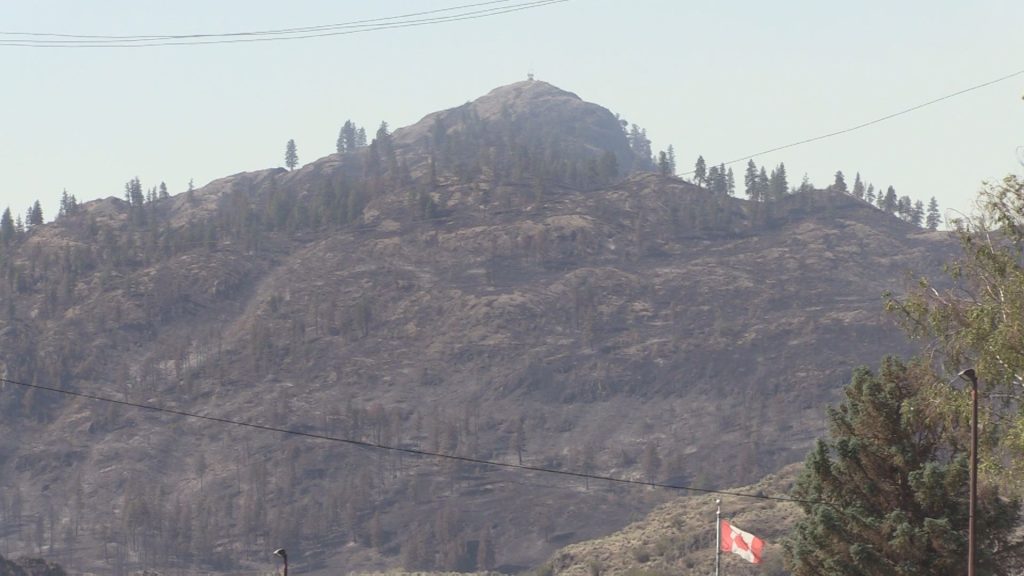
x,y
979,321
887,493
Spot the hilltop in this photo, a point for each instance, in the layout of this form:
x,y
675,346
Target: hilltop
x,y
502,280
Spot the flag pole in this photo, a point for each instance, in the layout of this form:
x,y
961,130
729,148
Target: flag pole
x,y
718,535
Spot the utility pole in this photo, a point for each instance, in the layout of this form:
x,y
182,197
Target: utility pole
x,y
972,377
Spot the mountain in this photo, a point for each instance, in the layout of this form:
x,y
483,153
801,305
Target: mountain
x,y
501,281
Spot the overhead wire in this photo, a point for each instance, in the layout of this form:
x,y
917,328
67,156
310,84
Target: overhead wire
x,y
341,29
412,451
250,32
868,123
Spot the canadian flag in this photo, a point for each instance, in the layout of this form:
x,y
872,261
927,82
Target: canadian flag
x,y
743,544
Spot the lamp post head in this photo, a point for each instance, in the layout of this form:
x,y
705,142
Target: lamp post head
x,y
280,552
969,375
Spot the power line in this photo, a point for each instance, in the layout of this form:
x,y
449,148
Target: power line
x,y
339,29
250,32
413,451
870,122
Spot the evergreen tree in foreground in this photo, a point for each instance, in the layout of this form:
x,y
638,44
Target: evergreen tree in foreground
x,y
887,493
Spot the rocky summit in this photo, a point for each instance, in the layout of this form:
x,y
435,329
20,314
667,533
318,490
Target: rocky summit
x,y
505,281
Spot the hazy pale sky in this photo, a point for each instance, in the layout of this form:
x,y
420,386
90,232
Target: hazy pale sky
x,y
722,79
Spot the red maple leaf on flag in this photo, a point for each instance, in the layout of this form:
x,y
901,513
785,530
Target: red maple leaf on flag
x,y
743,544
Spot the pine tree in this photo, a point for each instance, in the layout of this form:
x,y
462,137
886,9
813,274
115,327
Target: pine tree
x,y
858,187
65,205
35,216
664,167
730,182
133,193
904,206
889,202
163,194
700,172
869,195
671,160
641,148
710,177
291,155
778,182
840,183
887,492
7,230
917,214
348,137
718,180
764,187
805,184
750,181
933,218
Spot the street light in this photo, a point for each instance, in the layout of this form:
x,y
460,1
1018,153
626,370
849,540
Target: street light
x,y
970,376
284,556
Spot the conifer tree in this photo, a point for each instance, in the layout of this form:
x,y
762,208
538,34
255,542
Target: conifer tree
x,y
840,183
664,167
917,214
763,185
718,181
778,182
904,206
887,493
933,218
805,184
711,175
671,160
291,155
348,137
890,202
68,204
858,187
730,182
35,215
7,230
700,172
750,181
163,194
869,195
